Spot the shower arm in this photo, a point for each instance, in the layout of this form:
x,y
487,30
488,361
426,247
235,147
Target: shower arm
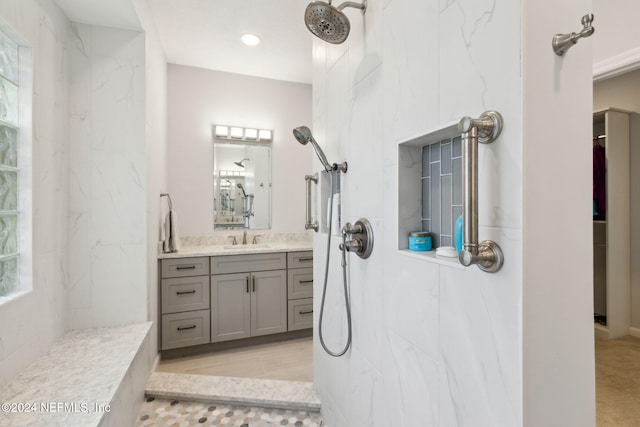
x,y
487,254
362,6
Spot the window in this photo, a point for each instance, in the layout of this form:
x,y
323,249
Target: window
x,y
9,168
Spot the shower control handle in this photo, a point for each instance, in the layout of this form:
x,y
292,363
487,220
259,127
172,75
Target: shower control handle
x,y
354,245
361,242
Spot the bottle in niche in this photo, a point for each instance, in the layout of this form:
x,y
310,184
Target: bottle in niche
x,y
457,235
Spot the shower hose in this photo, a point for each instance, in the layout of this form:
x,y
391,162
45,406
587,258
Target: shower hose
x,y
344,280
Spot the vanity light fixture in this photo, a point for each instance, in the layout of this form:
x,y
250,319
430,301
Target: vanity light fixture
x,y
221,131
251,133
237,133
250,39
264,135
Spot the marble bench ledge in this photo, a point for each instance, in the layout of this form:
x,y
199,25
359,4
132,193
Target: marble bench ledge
x,y
77,382
292,395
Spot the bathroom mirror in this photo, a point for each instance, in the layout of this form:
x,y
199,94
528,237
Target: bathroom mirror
x,y
241,185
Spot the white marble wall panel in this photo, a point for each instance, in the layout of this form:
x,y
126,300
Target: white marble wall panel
x,y
410,70
107,222
480,339
156,150
366,124
475,79
365,30
30,323
438,345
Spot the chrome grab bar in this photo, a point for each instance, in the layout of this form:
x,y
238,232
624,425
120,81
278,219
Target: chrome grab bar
x,y
310,224
487,254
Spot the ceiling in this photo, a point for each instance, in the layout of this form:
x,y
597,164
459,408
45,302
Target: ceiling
x,y
206,33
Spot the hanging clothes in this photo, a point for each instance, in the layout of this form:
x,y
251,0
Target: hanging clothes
x,y
599,182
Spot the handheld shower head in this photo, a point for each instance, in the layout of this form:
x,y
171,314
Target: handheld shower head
x,y
328,22
303,135
239,185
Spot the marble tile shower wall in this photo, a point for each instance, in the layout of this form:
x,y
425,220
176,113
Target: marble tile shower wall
x,y
31,323
441,189
108,244
432,345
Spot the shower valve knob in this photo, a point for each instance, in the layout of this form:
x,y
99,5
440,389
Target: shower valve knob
x,y
354,245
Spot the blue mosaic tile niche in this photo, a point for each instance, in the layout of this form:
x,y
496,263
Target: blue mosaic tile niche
x,y
441,189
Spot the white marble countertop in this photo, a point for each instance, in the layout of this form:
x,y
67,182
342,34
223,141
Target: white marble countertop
x,y
228,249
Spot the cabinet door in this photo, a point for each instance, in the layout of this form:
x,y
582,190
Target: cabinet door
x,y
230,307
269,302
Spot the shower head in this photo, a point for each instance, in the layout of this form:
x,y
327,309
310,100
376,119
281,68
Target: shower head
x,y
239,185
241,162
303,135
328,22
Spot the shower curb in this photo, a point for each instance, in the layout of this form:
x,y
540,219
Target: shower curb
x,y
291,395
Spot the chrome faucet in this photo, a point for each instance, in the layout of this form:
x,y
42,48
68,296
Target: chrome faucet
x,y
244,238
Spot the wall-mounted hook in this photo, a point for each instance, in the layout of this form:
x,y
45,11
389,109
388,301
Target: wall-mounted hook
x,y
562,42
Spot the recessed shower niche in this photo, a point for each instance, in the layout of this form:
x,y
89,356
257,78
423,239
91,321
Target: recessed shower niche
x,y
430,189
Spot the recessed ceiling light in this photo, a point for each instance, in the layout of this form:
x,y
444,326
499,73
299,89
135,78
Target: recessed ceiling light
x,y
250,39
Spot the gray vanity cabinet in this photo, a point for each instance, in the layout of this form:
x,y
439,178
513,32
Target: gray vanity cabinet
x,y
248,303
184,302
300,290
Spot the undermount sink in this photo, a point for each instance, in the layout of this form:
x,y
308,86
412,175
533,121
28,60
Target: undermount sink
x,y
247,246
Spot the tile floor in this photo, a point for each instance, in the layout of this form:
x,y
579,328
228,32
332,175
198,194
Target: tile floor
x,y
162,412
290,360
618,382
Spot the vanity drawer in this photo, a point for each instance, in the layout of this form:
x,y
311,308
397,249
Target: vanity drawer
x,y
185,294
253,262
185,329
300,283
184,267
300,259
300,314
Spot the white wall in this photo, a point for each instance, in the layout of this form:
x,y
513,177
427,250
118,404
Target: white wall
x,y
30,324
198,98
448,347
108,203
624,92
616,34
557,318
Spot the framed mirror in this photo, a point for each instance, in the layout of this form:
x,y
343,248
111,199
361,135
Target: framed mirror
x,y
241,185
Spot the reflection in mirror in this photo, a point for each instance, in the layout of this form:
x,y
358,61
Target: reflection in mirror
x,y
241,185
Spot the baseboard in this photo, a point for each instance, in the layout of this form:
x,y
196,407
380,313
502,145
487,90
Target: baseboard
x,y
634,332
601,331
